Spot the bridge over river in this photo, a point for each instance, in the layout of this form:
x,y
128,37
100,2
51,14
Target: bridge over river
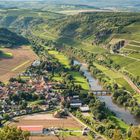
x,y
105,96
101,92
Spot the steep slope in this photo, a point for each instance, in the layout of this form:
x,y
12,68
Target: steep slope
x,y
101,26
8,38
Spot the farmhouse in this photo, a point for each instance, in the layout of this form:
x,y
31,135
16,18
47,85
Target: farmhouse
x,y
76,103
84,108
32,129
36,63
85,131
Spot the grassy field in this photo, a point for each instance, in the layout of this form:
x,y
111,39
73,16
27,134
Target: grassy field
x,y
131,47
129,64
38,102
6,55
61,58
135,55
78,78
115,76
121,81
131,32
121,60
57,77
137,43
134,68
42,31
119,123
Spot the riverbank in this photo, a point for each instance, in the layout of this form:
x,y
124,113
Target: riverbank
x,y
120,111
92,82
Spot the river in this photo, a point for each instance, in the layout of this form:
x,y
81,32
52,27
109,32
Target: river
x,y
120,112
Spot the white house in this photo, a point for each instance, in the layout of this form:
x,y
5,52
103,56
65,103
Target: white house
x,y
36,63
84,108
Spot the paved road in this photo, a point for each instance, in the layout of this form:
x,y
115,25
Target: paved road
x,y
85,125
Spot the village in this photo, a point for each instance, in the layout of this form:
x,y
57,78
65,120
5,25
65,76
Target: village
x,y
33,94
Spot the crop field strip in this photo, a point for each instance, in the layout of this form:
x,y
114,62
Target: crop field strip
x,y
21,65
127,63
131,47
22,58
115,76
47,121
135,55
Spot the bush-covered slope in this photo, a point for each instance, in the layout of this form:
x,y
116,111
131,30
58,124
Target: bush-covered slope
x,y
86,32
102,26
8,38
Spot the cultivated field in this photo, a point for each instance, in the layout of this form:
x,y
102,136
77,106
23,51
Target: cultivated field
x,y
47,121
115,76
22,58
58,138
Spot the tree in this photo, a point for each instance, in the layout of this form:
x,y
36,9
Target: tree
x,y
117,135
68,77
13,133
6,116
23,105
100,128
135,133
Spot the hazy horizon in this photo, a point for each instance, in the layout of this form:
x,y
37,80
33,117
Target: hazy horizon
x,y
119,4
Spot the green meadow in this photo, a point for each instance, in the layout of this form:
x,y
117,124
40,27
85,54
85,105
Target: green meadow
x,y
61,58
78,78
115,76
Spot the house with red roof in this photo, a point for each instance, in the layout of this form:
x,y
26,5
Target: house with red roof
x,y
32,129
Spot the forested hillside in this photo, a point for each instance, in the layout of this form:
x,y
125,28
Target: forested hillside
x,y
9,39
102,26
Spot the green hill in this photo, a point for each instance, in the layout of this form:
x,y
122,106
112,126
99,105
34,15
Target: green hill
x,y
91,30
109,35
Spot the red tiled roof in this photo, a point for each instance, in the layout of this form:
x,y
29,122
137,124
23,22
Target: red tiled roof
x,y
31,128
